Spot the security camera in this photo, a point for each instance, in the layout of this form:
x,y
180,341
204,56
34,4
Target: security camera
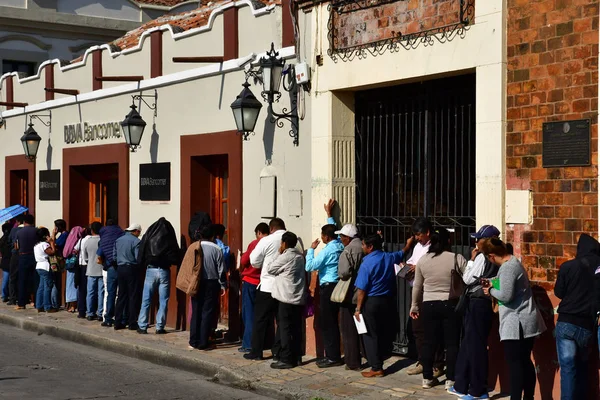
x,y
1,122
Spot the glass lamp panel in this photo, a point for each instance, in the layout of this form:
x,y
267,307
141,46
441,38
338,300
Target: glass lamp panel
x,y
33,147
25,147
239,119
136,132
126,133
267,79
250,116
276,76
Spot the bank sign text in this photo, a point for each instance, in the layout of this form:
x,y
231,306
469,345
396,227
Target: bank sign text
x,y
86,132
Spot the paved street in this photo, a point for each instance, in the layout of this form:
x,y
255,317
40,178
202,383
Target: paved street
x,y
43,367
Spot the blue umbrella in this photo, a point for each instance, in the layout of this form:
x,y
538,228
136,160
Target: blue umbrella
x,y
11,212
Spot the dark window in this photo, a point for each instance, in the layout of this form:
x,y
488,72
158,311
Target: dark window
x,y
24,67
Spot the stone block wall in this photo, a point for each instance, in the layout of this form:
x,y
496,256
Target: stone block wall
x,y
552,59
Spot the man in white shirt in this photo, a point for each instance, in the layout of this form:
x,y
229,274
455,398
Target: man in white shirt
x,y
265,306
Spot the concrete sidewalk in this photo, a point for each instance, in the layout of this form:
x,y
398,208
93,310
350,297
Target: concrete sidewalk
x,y
228,366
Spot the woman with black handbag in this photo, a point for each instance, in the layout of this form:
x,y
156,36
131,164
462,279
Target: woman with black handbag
x,y
438,284
472,363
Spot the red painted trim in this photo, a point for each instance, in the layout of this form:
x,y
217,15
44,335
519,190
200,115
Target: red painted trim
x,y
287,25
96,69
10,92
20,163
156,54
96,155
230,34
49,74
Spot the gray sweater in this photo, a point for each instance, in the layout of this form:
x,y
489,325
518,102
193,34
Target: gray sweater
x,y
519,308
289,284
349,264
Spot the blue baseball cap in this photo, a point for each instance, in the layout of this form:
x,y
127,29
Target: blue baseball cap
x,y
486,231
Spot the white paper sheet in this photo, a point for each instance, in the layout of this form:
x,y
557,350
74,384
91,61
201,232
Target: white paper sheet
x,y
361,327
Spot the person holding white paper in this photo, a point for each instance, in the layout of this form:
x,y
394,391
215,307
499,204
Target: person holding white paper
x,y
376,301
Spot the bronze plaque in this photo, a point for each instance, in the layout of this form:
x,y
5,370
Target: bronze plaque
x,y
566,144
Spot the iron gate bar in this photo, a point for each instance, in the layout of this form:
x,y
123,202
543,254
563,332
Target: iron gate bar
x,y
411,163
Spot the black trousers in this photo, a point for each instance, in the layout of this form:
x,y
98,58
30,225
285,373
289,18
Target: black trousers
x,y
82,291
290,332
472,363
204,309
13,282
350,337
441,322
329,317
26,278
378,341
522,372
127,300
265,312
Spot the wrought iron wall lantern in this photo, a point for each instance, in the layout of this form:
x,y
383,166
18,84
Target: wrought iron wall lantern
x,y
270,73
133,125
30,139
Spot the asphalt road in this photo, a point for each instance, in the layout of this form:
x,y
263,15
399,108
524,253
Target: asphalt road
x,y
43,367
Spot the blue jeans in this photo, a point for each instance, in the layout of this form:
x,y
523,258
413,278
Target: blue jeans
x,y
44,290
111,290
248,297
573,354
5,279
95,296
156,278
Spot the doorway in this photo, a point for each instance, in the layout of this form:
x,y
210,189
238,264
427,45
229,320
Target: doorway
x,y
96,184
19,182
210,193
19,187
415,144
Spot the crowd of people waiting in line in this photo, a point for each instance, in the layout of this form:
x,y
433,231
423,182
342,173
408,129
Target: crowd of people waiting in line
x,y
453,300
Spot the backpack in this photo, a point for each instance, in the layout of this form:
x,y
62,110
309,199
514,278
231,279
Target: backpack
x,y
197,222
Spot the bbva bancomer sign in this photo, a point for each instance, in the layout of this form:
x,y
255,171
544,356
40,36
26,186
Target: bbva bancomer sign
x,y
86,132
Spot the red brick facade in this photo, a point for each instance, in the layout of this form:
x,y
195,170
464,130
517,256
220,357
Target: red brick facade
x,y
552,76
388,21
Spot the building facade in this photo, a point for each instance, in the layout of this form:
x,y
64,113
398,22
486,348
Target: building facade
x,y
191,157
440,108
34,31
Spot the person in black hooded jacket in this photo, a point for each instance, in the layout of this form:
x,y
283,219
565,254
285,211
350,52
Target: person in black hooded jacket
x,y
158,251
576,316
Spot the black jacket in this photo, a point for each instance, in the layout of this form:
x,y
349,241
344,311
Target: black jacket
x,y
159,246
575,285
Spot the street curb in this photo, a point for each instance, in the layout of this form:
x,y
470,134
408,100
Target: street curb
x,y
217,373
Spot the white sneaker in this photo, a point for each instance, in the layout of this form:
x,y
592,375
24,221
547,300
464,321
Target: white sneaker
x,y
429,383
449,384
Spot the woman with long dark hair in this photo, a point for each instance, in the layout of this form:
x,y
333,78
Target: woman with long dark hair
x,y
6,252
520,320
432,287
42,250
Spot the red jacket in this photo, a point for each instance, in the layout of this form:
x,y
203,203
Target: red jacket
x,y
249,273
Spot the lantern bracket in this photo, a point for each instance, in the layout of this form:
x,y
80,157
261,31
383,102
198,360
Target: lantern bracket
x,y
291,116
40,117
151,105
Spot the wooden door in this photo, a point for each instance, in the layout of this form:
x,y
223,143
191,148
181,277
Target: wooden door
x,y
97,205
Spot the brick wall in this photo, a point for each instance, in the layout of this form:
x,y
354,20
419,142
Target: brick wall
x,y
387,21
552,76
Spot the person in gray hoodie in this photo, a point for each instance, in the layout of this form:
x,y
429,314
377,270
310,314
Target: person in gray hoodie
x,y
520,320
289,288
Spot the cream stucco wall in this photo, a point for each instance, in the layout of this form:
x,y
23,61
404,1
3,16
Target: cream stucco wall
x,y
191,101
482,49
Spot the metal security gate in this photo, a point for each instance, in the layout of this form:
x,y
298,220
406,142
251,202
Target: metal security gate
x,y
415,156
